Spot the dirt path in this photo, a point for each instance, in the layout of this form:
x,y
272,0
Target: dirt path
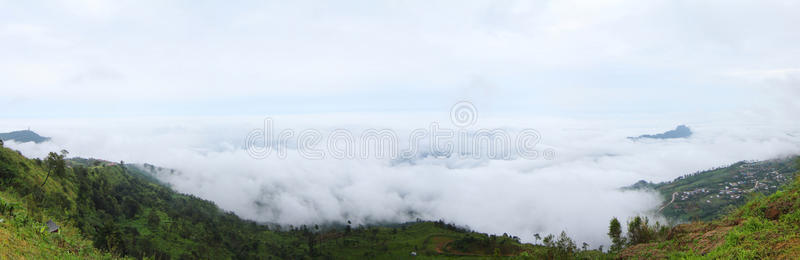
x,y
754,187
441,244
670,202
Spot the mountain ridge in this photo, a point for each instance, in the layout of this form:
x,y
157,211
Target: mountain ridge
x,y
23,136
681,131
123,212
706,195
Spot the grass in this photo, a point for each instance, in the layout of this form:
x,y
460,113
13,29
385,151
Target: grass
x,y
109,210
120,210
22,237
765,227
696,206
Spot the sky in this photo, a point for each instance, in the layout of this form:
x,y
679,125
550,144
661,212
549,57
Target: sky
x,y
181,84
575,58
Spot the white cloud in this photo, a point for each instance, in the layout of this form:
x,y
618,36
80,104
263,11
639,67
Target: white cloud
x,y
186,54
576,192
618,68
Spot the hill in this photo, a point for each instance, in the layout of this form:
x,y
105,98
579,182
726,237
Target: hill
x,y
681,131
23,136
109,210
23,220
713,193
767,227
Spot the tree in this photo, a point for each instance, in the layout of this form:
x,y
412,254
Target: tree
x,y
615,233
1,142
54,163
130,207
566,245
548,240
537,237
61,163
639,231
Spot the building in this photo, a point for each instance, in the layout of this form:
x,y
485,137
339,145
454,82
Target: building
x,y
51,226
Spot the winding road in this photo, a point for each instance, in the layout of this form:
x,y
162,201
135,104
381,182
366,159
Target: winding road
x,y
670,202
676,193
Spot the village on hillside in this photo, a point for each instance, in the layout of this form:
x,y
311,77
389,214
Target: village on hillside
x,y
705,195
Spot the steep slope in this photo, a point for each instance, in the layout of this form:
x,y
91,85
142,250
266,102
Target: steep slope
x,y
122,211
21,236
23,232
766,227
708,195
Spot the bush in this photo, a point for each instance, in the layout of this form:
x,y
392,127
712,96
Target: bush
x,y
640,231
561,247
6,208
6,174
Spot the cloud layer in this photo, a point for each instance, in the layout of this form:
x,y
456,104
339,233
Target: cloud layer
x,y
576,191
176,84
146,58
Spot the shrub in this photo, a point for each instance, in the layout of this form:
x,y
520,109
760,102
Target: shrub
x,y
640,231
6,208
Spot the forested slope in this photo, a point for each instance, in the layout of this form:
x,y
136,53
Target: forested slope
x,y
767,227
111,210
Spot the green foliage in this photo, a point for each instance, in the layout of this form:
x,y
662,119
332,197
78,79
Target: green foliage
x,y
641,231
23,237
7,173
767,222
708,195
23,136
125,214
767,227
55,163
7,208
615,233
123,211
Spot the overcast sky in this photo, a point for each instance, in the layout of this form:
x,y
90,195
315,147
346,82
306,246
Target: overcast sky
x,y
585,74
576,58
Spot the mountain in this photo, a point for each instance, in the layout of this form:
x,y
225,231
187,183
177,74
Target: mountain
x,y
707,195
23,136
681,131
765,228
110,210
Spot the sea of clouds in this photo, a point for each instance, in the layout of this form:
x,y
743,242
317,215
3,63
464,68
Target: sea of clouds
x,y
576,189
600,69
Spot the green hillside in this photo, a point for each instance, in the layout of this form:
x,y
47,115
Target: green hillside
x,y
112,210
767,227
23,136
710,194
109,210
23,232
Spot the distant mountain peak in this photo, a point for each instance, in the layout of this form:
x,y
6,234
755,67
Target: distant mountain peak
x,y
682,131
23,136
